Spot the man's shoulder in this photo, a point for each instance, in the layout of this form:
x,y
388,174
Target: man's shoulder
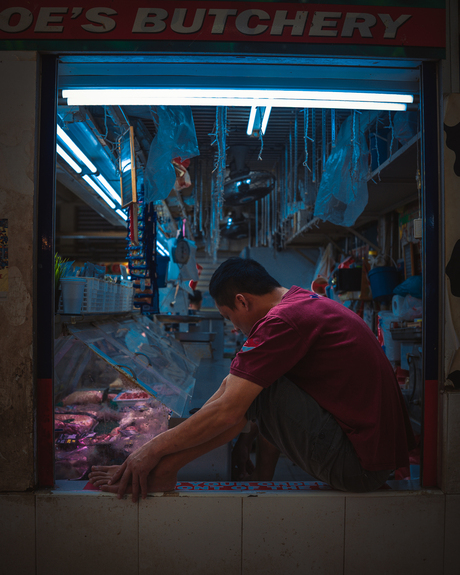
x,y
295,300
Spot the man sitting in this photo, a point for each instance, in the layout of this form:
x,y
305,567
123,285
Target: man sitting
x,y
311,374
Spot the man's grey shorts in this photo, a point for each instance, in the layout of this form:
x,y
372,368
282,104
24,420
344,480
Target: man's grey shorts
x,y
292,420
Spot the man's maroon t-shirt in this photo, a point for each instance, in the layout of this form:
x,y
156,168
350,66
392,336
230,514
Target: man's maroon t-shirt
x,y
330,352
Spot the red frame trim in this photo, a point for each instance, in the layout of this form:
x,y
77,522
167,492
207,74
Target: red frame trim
x,y
45,433
430,434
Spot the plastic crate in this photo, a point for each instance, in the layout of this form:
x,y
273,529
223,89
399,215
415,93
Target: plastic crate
x,y
110,299
126,295
348,279
94,299
101,296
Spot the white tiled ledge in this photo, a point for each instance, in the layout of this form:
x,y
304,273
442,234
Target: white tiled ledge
x,y
231,533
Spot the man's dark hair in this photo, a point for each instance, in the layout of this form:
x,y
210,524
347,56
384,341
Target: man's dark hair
x,y
237,275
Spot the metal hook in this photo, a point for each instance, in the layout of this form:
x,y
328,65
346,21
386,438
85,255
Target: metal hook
x,y
146,357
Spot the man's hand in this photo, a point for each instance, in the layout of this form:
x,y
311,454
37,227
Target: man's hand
x,y
224,413
136,469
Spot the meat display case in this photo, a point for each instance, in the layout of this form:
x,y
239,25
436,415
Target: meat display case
x,y
117,382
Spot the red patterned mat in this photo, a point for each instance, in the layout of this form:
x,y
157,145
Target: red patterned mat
x,y
251,486
247,486
242,486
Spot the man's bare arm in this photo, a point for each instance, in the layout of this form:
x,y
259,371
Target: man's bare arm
x,y
218,393
225,410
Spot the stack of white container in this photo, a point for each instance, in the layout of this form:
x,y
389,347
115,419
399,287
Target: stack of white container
x,y
101,296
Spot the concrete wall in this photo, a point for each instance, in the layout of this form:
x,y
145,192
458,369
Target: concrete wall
x,y
228,533
18,131
450,433
290,267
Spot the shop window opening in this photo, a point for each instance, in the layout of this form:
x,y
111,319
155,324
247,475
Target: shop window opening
x,y
156,188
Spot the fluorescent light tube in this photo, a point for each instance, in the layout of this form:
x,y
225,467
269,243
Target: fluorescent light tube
x,y
122,214
65,156
115,195
98,190
332,104
252,117
75,149
265,119
229,97
163,251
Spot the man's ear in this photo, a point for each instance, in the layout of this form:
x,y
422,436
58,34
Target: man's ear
x,y
241,301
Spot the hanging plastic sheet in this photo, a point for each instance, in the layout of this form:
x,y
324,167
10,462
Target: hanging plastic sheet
x,y
326,262
175,138
342,194
405,126
150,363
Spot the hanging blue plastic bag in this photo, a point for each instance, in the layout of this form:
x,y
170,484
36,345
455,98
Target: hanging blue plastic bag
x,y
175,138
405,126
342,194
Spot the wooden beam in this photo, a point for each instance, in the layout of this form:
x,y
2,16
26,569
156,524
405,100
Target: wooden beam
x,y
364,239
335,245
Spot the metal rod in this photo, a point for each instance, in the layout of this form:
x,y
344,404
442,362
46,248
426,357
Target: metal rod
x,y
268,220
296,128
257,223
324,142
286,163
201,197
313,144
265,220
363,238
184,214
333,128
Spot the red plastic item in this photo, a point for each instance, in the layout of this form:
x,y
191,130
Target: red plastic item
x,y
318,285
401,375
194,283
184,163
347,263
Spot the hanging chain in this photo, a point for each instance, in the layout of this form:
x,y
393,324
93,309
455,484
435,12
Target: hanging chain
x,y
392,133
217,194
261,138
305,137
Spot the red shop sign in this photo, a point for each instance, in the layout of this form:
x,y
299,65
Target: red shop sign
x,y
204,21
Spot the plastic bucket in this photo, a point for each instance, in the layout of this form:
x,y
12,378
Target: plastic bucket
x,y
73,290
383,281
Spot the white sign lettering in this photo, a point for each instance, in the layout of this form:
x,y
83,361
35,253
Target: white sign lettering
x,y
178,19
320,22
220,19
10,14
150,20
242,22
231,24
361,22
280,21
45,18
101,22
391,26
